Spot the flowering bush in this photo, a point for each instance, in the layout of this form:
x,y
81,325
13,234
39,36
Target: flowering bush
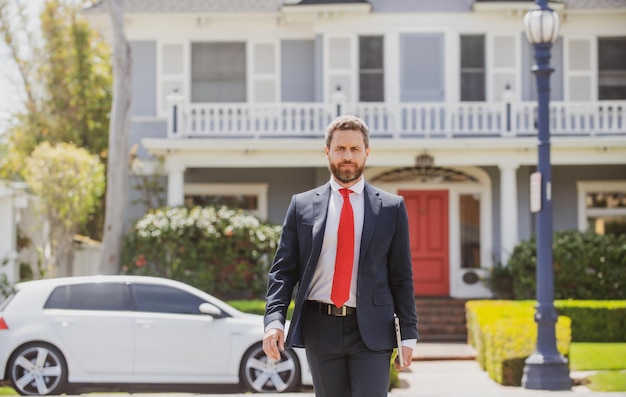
x,y
222,251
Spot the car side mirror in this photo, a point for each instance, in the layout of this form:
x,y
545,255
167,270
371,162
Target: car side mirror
x,y
207,308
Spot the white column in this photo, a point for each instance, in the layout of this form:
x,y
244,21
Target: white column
x,y
508,210
175,185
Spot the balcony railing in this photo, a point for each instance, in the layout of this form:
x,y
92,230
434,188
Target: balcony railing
x,y
419,120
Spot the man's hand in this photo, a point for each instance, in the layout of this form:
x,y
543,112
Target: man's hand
x,y
407,354
274,343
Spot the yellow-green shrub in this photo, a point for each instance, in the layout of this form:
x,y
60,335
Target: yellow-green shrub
x,y
504,334
509,342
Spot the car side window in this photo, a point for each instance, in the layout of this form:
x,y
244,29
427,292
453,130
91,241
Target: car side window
x,y
90,296
163,299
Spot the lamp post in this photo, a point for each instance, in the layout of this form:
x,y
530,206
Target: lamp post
x,y
545,368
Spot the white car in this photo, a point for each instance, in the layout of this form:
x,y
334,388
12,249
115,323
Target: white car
x,y
56,334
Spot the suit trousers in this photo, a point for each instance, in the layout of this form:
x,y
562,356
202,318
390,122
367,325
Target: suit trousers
x,y
341,364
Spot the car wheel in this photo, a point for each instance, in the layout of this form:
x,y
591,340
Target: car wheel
x,y
263,376
38,370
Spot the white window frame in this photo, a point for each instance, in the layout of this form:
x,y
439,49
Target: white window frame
x,y
227,189
585,187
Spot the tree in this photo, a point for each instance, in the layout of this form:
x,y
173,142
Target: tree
x,y
68,182
117,171
66,76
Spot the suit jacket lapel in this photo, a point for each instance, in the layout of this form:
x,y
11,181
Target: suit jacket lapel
x,y
320,209
373,204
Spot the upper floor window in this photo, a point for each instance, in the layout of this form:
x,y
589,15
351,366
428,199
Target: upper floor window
x,y
371,69
218,72
612,68
473,68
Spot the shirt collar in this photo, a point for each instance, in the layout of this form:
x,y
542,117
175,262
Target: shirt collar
x,y
356,188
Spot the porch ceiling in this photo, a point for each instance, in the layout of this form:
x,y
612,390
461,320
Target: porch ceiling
x,y
217,153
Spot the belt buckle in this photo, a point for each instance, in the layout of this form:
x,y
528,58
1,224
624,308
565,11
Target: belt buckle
x,y
337,311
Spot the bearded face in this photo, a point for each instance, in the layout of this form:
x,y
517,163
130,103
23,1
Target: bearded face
x,y
347,155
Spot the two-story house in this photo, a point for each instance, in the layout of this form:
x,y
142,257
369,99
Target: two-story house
x,y
234,97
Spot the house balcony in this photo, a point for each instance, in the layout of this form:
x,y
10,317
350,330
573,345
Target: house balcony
x,y
394,121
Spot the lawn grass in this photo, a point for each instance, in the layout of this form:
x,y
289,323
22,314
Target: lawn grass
x,y
607,381
597,356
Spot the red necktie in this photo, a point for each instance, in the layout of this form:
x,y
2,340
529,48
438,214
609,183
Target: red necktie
x,y
345,252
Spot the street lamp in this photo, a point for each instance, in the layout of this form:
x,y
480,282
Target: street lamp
x,y
545,368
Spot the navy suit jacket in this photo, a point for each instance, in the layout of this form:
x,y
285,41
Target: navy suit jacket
x,y
385,272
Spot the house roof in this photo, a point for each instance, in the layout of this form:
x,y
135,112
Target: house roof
x,y
271,6
313,2
192,6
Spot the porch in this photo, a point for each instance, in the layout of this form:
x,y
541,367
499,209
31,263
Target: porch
x,y
509,119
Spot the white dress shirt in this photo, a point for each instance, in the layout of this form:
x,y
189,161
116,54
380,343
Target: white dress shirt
x,y
322,282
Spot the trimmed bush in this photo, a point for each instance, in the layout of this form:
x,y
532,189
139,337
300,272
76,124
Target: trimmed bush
x,y
595,321
586,266
222,251
504,334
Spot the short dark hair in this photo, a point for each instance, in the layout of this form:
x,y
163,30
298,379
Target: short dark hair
x,y
347,122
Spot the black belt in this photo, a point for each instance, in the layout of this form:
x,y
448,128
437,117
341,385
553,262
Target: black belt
x,y
330,309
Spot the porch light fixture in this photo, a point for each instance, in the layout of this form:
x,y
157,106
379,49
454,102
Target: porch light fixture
x,y
545,368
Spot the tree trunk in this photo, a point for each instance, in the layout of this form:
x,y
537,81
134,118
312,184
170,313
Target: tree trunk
x,y
64,255
117,167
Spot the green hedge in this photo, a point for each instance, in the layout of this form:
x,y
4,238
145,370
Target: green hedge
x,y
595,321
587,266
504,334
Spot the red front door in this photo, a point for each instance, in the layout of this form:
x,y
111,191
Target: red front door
x,y
428,228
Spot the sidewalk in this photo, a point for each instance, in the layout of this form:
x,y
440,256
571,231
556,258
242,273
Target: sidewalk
x,y
438,370
450,370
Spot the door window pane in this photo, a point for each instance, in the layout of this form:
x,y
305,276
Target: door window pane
x,y
612,68
218,72
371,70
164,299
472,68
470,230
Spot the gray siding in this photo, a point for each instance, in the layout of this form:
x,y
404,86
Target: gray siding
x,y
146,129
524,218
564,194
135,208
421,5
564,178
529,83
144,78
298,70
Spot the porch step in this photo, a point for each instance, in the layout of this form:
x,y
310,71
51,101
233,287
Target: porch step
x,y
441,319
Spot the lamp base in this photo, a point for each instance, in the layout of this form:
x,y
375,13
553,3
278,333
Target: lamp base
x,y
546,374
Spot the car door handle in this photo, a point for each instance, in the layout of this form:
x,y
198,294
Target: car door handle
x,y
64,322
145,323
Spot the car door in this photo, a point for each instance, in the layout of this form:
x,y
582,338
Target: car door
x,y
173,339
93,321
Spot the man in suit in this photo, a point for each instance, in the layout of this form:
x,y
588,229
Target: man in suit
x,y
350,280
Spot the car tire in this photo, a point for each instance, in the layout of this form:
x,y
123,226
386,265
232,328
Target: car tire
x,y
38,369
260,376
